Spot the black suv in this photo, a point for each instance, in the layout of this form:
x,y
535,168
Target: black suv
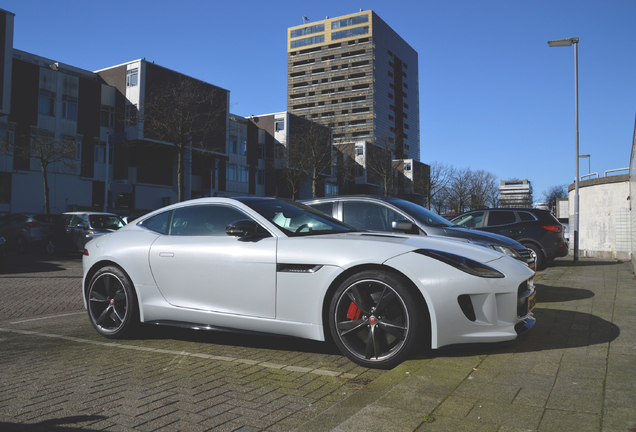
x,y
536,229
377,213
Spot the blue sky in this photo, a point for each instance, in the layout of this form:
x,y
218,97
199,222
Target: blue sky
x,y
493,95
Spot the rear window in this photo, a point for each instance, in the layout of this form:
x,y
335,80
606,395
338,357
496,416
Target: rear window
x,y
501,218
526,217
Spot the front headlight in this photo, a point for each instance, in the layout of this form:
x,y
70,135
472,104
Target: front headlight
x,y
462,263
499,248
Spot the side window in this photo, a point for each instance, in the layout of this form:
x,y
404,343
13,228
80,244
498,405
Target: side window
x,y
204,220
326,208
526,217
472,220
496,218
158,223
79,219
368,216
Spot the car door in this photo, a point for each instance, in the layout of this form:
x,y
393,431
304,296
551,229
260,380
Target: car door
x,y
197,265
77,230
503,222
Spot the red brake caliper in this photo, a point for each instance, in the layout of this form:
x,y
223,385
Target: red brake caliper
x,y
354,312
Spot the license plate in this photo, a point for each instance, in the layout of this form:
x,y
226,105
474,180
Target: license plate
x,y
532,302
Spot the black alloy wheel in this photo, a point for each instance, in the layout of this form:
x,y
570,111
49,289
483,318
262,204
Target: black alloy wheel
x,y
112,305
374,319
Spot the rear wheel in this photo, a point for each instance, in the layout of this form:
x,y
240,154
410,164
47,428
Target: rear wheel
x,y
374,320
112,304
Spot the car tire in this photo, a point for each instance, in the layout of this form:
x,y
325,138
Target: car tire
x,y
537,254
112,303
374,319
20,244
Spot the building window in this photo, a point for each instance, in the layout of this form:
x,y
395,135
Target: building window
x,y
100,152
107,117
261,151
349,21
132,77
131,115
406,106
7,133
67,140
407,166
242,147
280,125
243,174
69,108
231,172
260,177
232,145
359,150
46,103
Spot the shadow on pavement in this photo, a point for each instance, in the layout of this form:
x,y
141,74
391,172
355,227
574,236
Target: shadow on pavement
x,y
549,294
583,262
53,424
38,262
246,340
555,329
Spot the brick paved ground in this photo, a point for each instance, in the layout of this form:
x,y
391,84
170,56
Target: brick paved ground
x,y
56,371
575,371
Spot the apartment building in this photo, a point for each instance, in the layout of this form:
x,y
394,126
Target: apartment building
x,y
357,75
515,193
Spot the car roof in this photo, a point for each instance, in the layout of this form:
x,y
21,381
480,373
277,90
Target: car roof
x,y
346,197
89,213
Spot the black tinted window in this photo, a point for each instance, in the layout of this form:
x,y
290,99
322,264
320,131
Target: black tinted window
x,y
526,217
501,218
369,216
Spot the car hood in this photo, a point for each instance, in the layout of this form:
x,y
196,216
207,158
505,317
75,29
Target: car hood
x,y
476,235
344,250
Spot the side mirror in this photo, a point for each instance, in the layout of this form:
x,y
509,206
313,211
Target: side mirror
x,y
242,228
81,226
404,226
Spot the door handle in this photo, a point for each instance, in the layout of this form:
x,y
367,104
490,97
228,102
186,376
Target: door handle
x,y
166,254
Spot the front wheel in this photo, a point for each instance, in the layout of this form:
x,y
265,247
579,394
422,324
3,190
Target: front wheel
x,y
112,304
539,259
374,319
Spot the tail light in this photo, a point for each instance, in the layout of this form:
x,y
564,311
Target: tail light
x,y
33,224
553,228
86,252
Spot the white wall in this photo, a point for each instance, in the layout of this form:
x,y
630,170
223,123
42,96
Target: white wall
x,y
604,218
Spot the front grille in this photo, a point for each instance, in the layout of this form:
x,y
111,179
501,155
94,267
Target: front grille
x,y
525,298
527,257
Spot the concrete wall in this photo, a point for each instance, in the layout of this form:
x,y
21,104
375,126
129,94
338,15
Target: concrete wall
x,y
605,226
632,197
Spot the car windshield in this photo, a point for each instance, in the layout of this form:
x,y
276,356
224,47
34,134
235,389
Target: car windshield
x,y
425,216
296,219
105,221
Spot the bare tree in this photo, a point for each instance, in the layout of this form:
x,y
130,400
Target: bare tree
x,y
51,154
483,189
312,151
286,164
186,114
441,176
379,164
553,193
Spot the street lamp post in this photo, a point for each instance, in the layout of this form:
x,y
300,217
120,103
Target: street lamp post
x,y
560,43
589,166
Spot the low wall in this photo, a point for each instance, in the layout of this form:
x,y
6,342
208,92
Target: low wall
x,y
605,227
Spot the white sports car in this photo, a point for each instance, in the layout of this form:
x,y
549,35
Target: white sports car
x,y
280,267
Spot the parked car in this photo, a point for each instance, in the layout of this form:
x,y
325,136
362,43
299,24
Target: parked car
x,y
279,267
536,229
390,214
75,229
23,231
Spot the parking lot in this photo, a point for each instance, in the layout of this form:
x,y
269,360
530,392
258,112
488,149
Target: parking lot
x,y
576,370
